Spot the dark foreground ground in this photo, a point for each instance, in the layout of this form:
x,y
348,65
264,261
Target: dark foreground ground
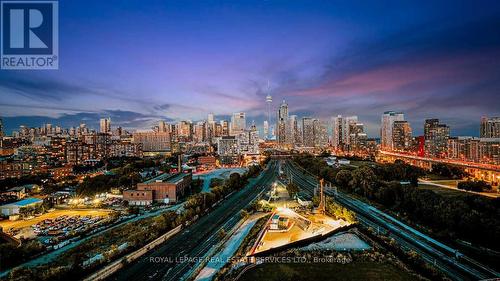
x,y
361,271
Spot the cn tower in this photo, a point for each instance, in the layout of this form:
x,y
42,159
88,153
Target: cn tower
x,y
269,101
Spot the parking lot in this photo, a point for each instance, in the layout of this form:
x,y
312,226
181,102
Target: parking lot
x,y
57,222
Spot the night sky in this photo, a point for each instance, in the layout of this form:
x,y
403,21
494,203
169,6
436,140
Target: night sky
x,y
141,61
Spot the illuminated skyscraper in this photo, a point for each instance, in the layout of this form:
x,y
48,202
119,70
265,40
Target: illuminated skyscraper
x,y
490,127
238,123
320,134
281,122
436,138
162,126
292,130
357,137
210,127
342,131
308,132
388,119
105,125
266,129
224,128
199,131
269,101
401,135
185,131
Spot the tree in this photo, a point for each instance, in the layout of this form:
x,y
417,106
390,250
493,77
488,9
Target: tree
x,y
292,189
315,201
234,182
477,186
364,178
343,178
448,171
386,194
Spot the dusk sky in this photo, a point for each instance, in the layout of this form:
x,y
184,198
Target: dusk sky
x,y
141,61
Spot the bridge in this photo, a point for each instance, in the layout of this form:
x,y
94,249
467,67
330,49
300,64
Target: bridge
x,y
487,172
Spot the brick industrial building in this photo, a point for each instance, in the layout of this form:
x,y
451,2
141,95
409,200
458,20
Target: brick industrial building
x,y
165,188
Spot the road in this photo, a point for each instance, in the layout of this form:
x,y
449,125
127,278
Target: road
x,y
178,255
432,251
437,184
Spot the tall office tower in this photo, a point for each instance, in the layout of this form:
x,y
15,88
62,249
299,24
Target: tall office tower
x,y
224,128
320,133
105,125
210,127
292,130
357,137
162,126
238,123
281,120
436,137
217,130
308,132
1,128
337,132
248,141
269,102
266,129
210,118
289,129
48,129
342,131
401,135
388,119
490,127
185,131
199,131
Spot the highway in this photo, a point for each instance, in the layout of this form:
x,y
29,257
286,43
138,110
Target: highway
x,y
432,251
179,254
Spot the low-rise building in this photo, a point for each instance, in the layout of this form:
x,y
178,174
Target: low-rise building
x,y
207,161
162,189
18,191
14,208
138,197
62,172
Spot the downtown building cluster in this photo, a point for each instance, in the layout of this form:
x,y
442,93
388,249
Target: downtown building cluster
x,y
437,141
56,149
348,137
312,134
232,140
304,134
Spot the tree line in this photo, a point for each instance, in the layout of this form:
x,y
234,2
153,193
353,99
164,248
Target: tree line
x,y
469,217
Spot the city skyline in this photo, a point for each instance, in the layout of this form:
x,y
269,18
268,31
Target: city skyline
x,y
249,140
429,63
330,123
